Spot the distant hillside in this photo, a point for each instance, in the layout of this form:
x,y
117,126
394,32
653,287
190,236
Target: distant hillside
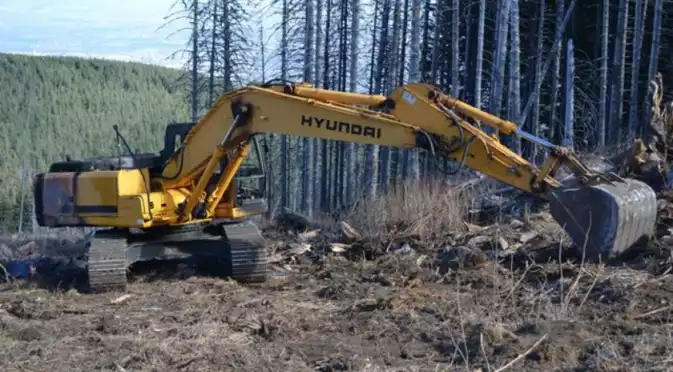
x,y
53,106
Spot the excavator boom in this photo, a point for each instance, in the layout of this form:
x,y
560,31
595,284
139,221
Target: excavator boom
x,y
408,120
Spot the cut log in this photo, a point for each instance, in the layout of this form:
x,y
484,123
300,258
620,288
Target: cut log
x,y
350,232
291,220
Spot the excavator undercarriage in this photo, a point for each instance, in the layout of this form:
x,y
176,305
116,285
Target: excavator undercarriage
x,y
199,194
234,250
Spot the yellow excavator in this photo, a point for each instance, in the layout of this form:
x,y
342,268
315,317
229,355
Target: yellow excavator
x,y
196,196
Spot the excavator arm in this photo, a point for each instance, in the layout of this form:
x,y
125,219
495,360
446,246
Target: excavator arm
x,y
598,210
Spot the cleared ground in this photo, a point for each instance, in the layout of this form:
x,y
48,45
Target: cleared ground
x,y
508,296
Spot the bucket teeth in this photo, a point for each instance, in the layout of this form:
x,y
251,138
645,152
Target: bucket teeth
x,y
606,220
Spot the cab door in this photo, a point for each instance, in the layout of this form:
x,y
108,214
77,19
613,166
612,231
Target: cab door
x,y
251,176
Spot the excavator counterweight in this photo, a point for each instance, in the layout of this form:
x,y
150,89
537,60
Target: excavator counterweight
x,y
198,195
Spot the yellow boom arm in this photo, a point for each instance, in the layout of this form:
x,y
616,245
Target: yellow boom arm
x,y
415,115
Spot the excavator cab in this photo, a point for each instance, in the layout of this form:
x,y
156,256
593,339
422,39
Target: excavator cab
x,y
247,191
174,136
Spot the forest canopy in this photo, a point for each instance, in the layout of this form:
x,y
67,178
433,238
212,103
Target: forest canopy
x,y
57,106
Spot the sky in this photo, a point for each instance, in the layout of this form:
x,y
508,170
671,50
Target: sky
x,y
128,30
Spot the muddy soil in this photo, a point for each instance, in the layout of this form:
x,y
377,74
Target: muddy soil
x,y
512,296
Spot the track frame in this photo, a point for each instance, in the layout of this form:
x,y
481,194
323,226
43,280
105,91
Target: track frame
x,y
239,249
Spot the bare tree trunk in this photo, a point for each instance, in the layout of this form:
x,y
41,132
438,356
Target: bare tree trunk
x,y
602,108
497,80
317,77
436,49
569,97
406,153
396,67
480,54
515,73
342,155
617,80
284,148
195,59
307,171
652,68
537,80
353,148
268,138
372,151
308,41
425,44
403,44
639,30
554,133
226,46
324,148
213,57
382,86
415,75
455,49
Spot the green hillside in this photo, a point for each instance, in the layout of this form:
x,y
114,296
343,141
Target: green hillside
x,y
53,106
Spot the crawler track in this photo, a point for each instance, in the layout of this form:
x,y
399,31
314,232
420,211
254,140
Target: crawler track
x,y
239,250
247,252
107,263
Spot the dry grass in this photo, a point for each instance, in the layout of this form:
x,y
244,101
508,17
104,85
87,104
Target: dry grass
x,y
427,209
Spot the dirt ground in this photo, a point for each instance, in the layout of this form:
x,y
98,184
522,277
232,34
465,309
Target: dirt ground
x,y
511,296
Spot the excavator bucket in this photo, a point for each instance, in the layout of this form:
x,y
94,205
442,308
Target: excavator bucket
x,y
605,220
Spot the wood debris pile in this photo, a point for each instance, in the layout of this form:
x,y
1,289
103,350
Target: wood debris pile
x,y
309,242
649,159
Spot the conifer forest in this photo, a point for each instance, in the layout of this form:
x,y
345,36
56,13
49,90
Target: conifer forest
x,y
53,107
